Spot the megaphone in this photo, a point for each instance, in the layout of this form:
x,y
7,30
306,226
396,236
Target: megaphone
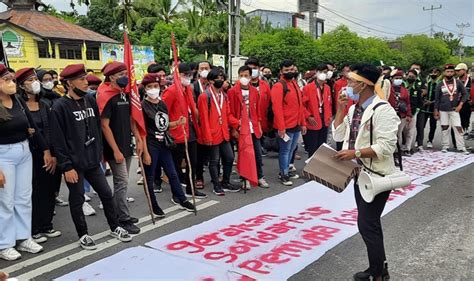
x,y
370,185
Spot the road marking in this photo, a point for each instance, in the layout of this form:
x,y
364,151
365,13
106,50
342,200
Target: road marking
x,y
74,245
102,246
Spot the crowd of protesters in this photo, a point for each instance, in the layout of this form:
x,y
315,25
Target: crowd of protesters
x,y
75,127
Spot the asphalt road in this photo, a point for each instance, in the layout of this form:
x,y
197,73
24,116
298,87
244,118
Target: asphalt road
x,y
429,237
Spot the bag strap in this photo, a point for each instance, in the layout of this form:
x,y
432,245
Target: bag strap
x,y
372,136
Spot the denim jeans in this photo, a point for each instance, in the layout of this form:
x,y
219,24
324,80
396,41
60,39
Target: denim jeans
x,y
224,152
286,151
162,155
120,178
15,197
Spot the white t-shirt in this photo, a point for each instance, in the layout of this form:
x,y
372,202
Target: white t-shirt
x,y
246,96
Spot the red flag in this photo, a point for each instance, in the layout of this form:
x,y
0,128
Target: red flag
x,y
132,88
176,79
246,165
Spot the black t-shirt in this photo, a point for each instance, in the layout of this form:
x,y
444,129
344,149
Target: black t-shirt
x,y
16,129
156,122
118,111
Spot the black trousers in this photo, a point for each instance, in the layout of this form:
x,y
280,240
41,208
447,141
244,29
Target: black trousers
x,y
370,227
179,153
420,127
98,182
43,195
224,152
433,122
202,157
314,139
465,115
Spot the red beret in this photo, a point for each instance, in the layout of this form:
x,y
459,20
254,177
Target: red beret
x,y
3,70
93,80
23,74
73,71
113,67
399,73
150,78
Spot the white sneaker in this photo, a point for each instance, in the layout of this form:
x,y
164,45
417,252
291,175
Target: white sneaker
x,y
130,199
52,233
429,145
420,148
246,185
87,243
292,168
263,183
101,206
464,151
140,181
60,202
444,150
30,246
87,209
139,171
10,254
39,238
87,198
121,234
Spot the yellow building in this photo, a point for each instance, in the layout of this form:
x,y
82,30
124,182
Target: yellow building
x,y
36,39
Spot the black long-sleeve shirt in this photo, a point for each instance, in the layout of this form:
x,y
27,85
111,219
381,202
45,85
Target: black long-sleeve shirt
x,y
15,130
446,102
75,123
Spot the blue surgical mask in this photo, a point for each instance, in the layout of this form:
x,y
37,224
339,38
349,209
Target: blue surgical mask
x,y
351,95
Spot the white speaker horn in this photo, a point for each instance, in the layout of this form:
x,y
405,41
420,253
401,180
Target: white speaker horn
x,y
370,185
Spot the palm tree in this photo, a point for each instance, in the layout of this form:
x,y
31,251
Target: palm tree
x,y
160,10
126,14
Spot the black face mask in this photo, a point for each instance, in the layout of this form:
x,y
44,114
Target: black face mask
x,y
433,76
80,93
218,84
295,74
386,76
55,83
448,77
268,76
411,80
122,82
288,75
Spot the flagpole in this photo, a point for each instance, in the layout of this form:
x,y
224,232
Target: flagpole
x,y
190,169
145,188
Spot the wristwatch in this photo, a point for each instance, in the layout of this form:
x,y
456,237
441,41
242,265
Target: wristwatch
x,y
358,154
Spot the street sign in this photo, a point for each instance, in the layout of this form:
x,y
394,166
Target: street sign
x,y
218,60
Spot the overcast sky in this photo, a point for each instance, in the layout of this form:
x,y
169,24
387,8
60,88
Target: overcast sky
x,y
381,18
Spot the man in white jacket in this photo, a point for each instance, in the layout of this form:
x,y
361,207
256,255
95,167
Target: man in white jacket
x,y
372,148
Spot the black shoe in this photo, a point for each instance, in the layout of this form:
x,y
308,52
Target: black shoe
x,y
197,194
130,228
159,213
285,180
228,187
365,275
188,206
174,200
218,191
157,188
130,220
293,175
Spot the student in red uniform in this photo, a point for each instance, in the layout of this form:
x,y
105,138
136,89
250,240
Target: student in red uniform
x,y
244,94
179,98
215,118
288,110
199,86
340,84
318,110
399,99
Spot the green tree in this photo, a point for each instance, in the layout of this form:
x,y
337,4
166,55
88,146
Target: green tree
x,y
158,10
100,18
450,40
422,49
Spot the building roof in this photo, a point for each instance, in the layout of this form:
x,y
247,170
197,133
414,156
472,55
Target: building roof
x,y
47,26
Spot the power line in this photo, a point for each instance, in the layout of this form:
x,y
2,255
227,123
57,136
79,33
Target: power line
x,y
431,16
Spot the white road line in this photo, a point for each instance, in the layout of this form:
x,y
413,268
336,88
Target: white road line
x,y
74,245
102,246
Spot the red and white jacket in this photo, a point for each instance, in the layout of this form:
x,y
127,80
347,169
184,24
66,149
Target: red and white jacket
x,y
314,101
236,101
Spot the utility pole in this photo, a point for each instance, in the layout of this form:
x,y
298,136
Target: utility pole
x,y
461,27
234,32
431,17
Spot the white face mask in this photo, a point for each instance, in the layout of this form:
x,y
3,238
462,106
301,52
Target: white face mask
x,y
244,81
329,74
397,82
35,87
204,74
48,85
255,73
153,93
322,76
185,81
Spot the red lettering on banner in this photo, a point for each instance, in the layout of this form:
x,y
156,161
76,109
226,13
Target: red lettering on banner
x,y
208,239
184,244
246,278
253,265
220,255
231,231
261,219
325,229
280,228
299,219
315,211
346,221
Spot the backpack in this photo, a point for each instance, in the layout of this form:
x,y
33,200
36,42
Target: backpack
x,y
270,113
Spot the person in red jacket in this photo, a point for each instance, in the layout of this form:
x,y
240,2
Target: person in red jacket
x,y
242,93
399,99
339,85
288,110
263,92
179,99
215,118
317,102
